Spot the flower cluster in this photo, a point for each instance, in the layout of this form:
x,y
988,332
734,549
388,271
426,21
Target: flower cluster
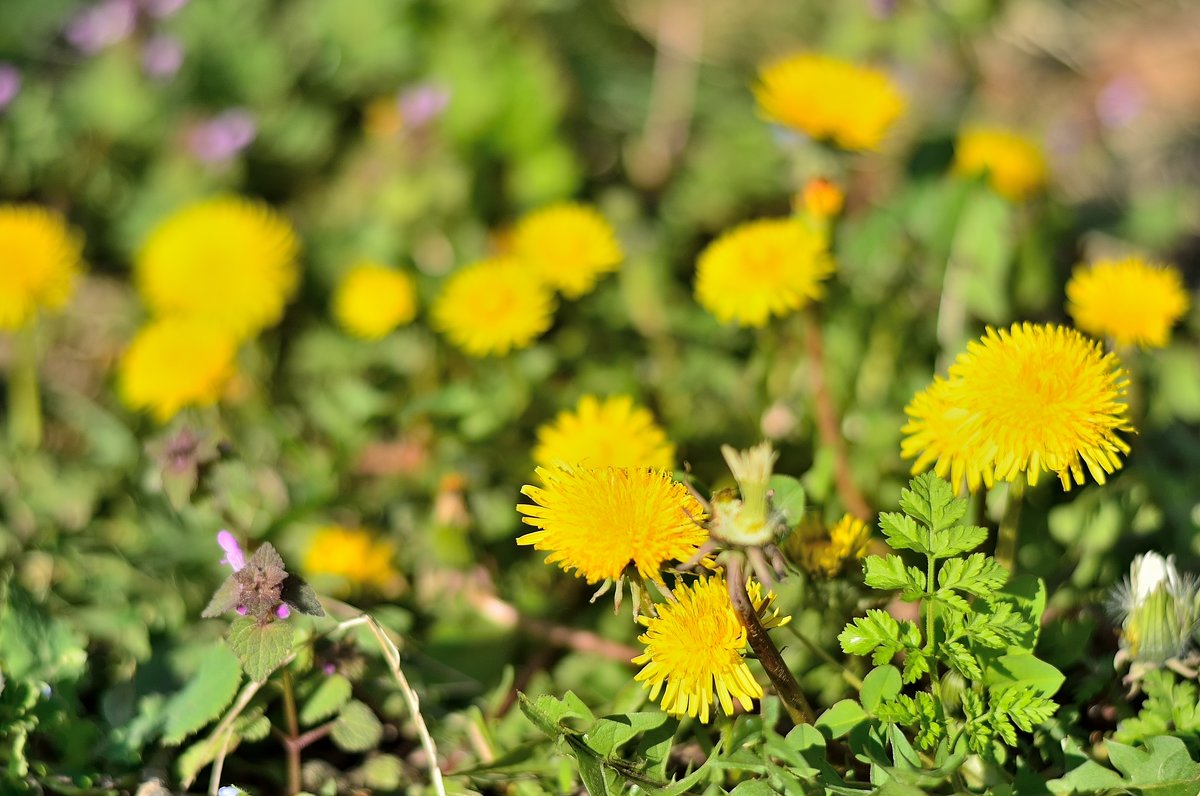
x,y
1020,402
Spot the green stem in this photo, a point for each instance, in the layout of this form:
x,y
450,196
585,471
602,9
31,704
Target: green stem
x,y
293,732
785,684
24,402
935,679
847,675
1006,539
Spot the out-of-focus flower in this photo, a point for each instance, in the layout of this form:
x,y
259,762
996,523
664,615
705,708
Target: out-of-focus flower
x,y
355,556
423,103
235,557
492,307
1132,301
162,55
569,245
1014,164
101,25
222,137
829,99
1019,402
382,117
882,9
228,261
10,84
1120,101
161,9
1158,609
826,552
174,363
600,522
371,300
609,433
821,198
40,259
696,649
762,269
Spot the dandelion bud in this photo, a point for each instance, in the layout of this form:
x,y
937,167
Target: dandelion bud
x,y
748,520
821,198
1158,610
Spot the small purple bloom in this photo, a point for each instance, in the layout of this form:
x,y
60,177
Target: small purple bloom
x,y
234,556
242,610
882,9
223,136
283,611
161,9
101,25
162,55
329,668
10,84
423,103
1120,101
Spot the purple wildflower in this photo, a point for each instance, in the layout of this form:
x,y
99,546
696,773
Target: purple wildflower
x,y
283,611
242,610
223,136
1120,101
162,55
101,25
234,556
10,84
423,103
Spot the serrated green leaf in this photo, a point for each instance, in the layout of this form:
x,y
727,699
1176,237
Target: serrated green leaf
x,y
952,600
1163,768
357,728
224,600
207,693
931,501
902,532
889,573
960,659
880,685
916,664
976,574
260,648
876,632
329,696
959,539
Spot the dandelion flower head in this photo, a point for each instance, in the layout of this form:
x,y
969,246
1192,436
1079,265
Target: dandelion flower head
x,y
173,363
227,260
569,245
492,307
354,556
828,98
371,300
609,432
825,553
39,263
762,269
1014,165
696,649
1132,301
1023,401
598,521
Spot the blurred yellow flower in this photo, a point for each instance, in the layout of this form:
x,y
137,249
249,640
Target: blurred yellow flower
x,y
826,552
372,300
493,306
821,198
696,648
1132,301
828,98
608,433
761,269
1022,401
569,245
383,117
598,521
353,555
1014,165
176,362
227,260
39,262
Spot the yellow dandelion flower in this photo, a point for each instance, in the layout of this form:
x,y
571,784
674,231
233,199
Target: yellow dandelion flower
x,y
492,307
762,269
598,521
353,556
228,260
1024,400
39,262
176,362
569,245
1131,301
609,433
826,552
1015,165
828,98
372,300
696,648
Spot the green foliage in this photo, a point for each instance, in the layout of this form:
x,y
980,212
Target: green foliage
x,y
1162,767
205,696
260,648
1172,707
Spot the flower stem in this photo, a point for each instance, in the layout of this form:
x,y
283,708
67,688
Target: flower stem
x,y
785,684
827,420
847,675
1006,539
293,732
24,402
